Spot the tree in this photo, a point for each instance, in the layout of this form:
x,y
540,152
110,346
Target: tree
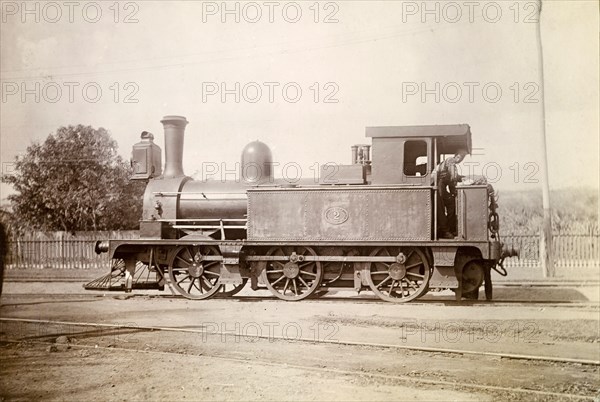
x,y
3,252
73,181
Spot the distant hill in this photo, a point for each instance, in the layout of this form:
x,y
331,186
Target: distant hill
x,y
574,210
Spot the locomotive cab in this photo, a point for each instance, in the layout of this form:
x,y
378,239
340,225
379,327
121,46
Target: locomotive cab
x,y
408,155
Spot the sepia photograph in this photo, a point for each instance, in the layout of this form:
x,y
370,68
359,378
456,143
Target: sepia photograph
x,y
307,200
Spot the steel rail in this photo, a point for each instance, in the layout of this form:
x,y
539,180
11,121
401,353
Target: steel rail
x,y
312,340
403,378
99,294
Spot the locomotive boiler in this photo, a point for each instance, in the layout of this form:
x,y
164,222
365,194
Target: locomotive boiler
x,y
369,225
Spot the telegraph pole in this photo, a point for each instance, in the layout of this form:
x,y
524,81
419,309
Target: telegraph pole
x,y
546,241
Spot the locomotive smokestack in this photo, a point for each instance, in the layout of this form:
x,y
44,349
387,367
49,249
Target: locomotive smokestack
x,y
174,133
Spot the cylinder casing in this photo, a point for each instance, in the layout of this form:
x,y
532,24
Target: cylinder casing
x,y
212,200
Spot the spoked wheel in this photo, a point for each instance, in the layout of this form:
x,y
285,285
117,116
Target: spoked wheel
x,y
113,280
295,279
117,267
192,274
472,278
401,281
144,277
228,290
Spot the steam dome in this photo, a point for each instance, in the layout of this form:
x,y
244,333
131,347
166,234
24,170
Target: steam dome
x,y
257,163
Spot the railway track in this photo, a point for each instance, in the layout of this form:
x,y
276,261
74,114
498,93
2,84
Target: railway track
x,y
272,337
363,299
520,284
524,392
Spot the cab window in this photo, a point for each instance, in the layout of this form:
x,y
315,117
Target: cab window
x,y
415,158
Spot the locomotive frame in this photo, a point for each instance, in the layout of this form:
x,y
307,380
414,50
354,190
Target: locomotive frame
x,y
369,225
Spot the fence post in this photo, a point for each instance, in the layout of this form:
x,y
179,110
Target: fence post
x,y
62,250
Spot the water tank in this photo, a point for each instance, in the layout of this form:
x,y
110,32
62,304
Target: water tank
x,y
257,163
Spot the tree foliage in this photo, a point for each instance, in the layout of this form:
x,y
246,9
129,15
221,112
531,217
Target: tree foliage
x,y
74,180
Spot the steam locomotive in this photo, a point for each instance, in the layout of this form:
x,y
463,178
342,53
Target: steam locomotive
x,y
369,225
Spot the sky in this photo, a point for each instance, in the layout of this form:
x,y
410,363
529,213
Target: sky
x,y
308,77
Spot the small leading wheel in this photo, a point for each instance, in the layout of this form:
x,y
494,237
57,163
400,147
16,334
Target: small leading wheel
x,y
295,279
193,275
228,290
400,281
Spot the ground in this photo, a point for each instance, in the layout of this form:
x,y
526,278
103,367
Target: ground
x,y
340,347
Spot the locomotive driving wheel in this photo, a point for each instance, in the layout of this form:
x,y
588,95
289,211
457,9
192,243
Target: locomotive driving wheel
x,y
295,279
228,290
192,274
472,278
400,281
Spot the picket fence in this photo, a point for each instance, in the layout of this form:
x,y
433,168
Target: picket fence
x,y
568,250
61,250
68,251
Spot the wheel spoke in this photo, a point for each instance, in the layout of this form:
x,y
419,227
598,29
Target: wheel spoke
x,y
379,272
187,250
401,289
287,282
417,275
211,273
391,287
182,279
414,265
384,281
295,288
190,285
308,273
302,280
208,282
276,271
277,281
305,264
204,281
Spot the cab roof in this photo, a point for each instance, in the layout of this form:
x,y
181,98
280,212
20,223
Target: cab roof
x,y
450,137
